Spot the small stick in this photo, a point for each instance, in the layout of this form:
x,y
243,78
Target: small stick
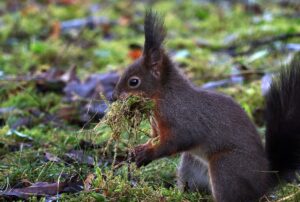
x,y
129,176
288,197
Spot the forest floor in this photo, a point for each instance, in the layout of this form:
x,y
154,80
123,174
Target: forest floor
x,y
57,58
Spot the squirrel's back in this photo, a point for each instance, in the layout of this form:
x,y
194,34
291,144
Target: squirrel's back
x,y
207,114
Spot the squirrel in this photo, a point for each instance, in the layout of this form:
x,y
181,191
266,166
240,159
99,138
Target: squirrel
x,y
221,150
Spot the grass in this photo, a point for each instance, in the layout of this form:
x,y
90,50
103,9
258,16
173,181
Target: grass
x,y
29,46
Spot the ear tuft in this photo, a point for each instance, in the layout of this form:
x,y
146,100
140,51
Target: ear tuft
x,y
155,32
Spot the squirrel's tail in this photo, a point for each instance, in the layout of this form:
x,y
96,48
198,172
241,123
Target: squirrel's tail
x,y
283,121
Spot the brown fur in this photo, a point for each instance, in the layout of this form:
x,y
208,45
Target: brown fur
x,y
215,156
222,150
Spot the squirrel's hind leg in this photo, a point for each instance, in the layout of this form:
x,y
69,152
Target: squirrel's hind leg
x,y
192,174
238,177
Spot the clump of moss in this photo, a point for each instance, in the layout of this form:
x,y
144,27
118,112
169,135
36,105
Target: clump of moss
x,y
127,115
128,120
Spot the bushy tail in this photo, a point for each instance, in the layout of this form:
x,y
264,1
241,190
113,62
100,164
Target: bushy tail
x,y
283,120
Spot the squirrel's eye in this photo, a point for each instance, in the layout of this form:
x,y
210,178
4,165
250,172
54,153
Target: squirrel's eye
x,y
134,82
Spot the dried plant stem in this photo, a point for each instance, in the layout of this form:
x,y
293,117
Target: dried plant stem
x,y
124,118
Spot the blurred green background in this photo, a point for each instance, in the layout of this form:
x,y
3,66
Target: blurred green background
x,y
57,56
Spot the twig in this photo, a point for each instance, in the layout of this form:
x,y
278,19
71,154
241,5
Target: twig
x,y
129,177
259,42
231,49
244,73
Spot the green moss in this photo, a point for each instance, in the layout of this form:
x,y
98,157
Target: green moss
x,y
26,47
27,97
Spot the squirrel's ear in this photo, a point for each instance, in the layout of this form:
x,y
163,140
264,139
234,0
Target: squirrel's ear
x,y
154,61
154,37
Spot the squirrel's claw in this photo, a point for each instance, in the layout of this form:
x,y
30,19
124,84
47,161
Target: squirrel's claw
x,y
143,155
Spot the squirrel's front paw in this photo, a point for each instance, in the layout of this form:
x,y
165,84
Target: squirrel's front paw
x,y
143,154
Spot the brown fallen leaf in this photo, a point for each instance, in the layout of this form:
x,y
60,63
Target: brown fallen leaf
x,y
88,181
36,189
55,30
26,183
55,79
41,189
135,51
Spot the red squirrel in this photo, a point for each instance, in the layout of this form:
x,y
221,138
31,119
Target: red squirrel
x,y
220,148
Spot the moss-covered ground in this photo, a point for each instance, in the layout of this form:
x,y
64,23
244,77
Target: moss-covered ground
x,y
210,42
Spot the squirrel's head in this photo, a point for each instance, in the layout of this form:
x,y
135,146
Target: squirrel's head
x,y
147,74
